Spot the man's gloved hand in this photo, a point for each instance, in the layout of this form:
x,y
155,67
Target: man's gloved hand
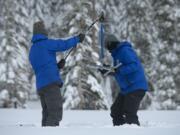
x,y
61,64
108,66
102,71
81,37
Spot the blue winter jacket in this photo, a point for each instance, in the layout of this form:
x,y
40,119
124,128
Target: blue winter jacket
x,y
42,57
130,75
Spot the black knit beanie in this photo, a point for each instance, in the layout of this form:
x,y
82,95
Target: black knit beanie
x,y
39,28
111,41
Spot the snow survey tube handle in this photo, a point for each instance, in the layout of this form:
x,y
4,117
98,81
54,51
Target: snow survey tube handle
x,y
100,18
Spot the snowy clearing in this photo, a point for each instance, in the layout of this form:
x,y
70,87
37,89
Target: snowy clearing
x,y
27,122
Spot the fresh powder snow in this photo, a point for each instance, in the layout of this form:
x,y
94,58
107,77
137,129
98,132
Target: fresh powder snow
x,y
28,122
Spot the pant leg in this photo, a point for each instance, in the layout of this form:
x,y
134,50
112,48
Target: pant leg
x,y
53,101
131,106
44,109
117,112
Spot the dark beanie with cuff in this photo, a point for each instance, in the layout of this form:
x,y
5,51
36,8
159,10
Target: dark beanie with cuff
x,y
111,41
39,28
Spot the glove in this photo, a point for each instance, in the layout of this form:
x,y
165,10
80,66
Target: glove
x,y
61,64
102,71
81,37
108,66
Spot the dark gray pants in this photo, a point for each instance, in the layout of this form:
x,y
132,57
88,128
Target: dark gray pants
x,y
124,109
51,102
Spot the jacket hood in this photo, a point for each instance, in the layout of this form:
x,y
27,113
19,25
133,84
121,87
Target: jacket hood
x,y
37,37
120,46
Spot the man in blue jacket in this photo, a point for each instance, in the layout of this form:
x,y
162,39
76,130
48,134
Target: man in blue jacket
x,y
131,79
42,57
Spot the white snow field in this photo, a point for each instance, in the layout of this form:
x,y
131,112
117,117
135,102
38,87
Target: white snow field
x,y
27,122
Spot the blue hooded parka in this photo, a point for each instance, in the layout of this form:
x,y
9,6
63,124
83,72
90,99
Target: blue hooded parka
x,y
130,75
42,57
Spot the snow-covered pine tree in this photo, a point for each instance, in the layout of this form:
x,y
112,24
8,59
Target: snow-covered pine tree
x,y
167,23
82,86
13,49
176,47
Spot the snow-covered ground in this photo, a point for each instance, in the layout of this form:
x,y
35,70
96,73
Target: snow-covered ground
x,y
27,122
